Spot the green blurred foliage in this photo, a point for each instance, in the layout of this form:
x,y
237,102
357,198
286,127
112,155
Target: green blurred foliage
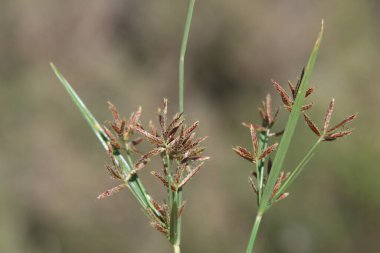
x,y
127,51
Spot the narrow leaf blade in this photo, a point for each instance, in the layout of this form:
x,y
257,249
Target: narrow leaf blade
x,y
134,185
95,126
290,126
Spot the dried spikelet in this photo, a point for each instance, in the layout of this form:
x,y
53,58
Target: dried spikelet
x,y
190,175
145,158
155,204
255,142
162,121
284,96
181,209
179,172
112,139
278,184
160,228
160,177
175,122
309,91
253,185
140,164
343,123
165,107
282,196
262,115
115,172
269,150
274,119
188,159
114,111
311,125
200,158
112,191
191,128
268,106
299,83
151,138
307,106
152,128
244,153
137,141
134,118
187,139
292,88
332,137
326,122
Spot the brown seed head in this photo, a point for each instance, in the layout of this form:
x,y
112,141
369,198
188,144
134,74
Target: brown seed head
x,y
311,125
255,142
328,116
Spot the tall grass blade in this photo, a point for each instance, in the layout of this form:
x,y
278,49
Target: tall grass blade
x,y
95,126
134,184
290,126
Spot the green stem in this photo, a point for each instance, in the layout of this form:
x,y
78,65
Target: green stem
x,y
179,220
263,143
255,229
169,179
176,248
185,39
176,200
297,170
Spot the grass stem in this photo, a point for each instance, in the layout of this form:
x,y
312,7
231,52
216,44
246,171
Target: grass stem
x,y
176,248
185,39
263,143
255,228
297,170
178,196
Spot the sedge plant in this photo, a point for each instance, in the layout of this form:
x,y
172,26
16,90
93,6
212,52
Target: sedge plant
x,y
175,144
268,180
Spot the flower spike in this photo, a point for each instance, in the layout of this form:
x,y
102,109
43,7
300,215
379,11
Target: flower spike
x,y
332,133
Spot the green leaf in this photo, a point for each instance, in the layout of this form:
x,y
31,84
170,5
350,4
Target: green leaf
x,y
290,126
134,184
95,126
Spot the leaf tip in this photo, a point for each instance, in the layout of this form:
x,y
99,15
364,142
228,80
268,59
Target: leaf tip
x,y
320,33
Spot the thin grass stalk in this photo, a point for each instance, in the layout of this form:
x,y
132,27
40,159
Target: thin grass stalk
x,y
263,143
255,229
185,39
177,249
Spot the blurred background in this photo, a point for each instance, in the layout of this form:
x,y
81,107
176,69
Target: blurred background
x,y
126,51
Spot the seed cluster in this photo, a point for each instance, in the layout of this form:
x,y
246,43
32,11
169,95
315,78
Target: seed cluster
x,y
260,134
173,143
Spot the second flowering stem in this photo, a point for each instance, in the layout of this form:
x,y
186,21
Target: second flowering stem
x,y
260,165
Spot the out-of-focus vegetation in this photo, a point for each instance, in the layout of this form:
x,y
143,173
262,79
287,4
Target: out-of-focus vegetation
x,y
127,52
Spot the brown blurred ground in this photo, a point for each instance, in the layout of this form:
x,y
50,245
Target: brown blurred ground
x,y
51,166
